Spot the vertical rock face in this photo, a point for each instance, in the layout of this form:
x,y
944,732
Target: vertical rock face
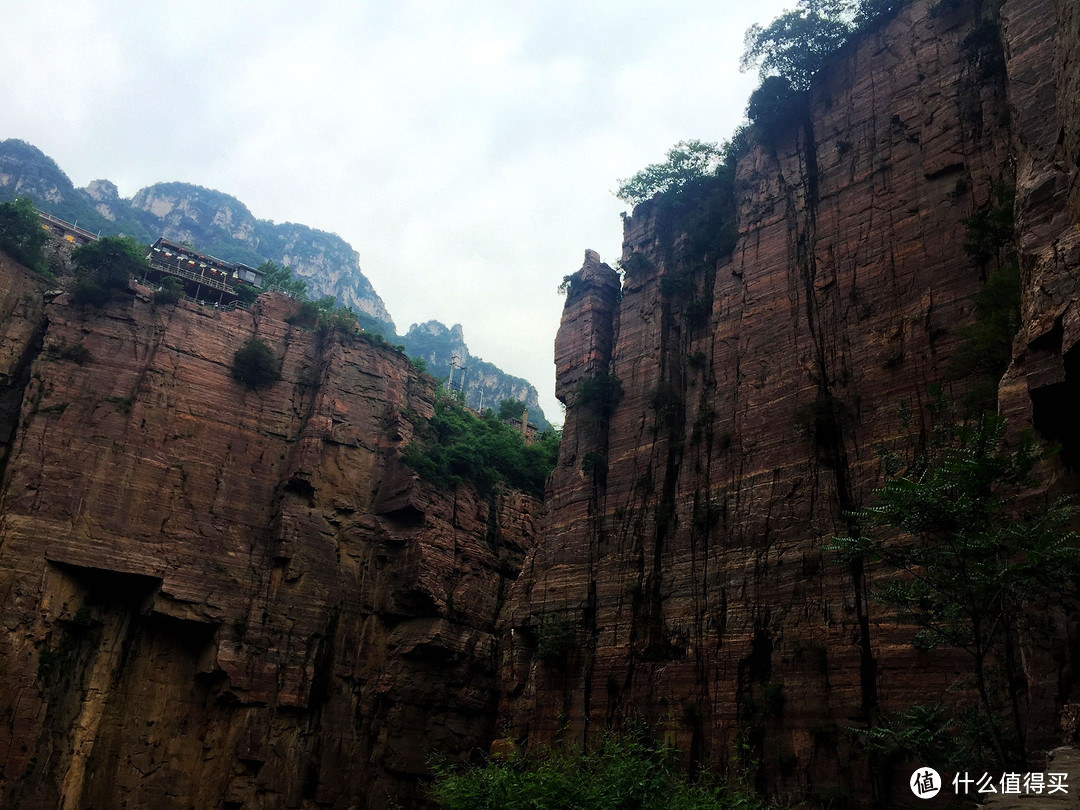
x,y
212,596
684,537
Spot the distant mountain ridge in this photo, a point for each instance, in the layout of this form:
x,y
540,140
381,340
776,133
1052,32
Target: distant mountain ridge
x,y
216,223
220,225
484,385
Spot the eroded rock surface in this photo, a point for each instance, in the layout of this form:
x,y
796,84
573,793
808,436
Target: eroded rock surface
x,y
758,396
214,596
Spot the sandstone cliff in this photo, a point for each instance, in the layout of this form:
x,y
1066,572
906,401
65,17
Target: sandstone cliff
x,y
718,428
220,597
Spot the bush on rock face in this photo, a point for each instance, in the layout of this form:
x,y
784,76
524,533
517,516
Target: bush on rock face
x,y
254,364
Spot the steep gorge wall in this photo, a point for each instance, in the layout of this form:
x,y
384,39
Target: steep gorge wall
x,y
684,536
212,596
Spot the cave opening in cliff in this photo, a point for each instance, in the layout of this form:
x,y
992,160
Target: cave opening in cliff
x,y
1053,411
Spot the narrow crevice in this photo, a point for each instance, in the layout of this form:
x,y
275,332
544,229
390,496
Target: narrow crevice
x,y
13,391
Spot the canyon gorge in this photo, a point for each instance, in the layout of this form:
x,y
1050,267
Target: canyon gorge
x,y
214,596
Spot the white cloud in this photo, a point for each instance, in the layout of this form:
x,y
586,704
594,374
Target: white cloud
x,y
467,150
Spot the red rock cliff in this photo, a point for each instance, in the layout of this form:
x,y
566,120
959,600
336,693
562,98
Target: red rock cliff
x,y
683,544
221,597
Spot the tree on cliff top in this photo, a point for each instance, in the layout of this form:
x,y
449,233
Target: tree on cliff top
x,y
282,278
110,261
21,234
796,44
686,161
104,265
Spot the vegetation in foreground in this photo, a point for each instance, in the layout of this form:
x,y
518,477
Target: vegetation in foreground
x,y
624,771
970,572
457,446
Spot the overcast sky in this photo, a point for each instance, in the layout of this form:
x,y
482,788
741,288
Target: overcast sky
x,y
467,150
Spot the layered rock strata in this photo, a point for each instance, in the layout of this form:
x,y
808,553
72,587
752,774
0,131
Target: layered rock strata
x,y
215,596
756,399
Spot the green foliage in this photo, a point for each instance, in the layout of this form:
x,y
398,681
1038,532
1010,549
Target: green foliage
x,y
870,14
455,446
419,364
796,44
686,161
622,772
967,570
342,320
171,290
511,409
775,107
110,261
990,229
123,404
601,392
307,317
792,49
933,735
254,364
246,294
21,235
985,350
636,265
277,277
554,639
704,210
72,352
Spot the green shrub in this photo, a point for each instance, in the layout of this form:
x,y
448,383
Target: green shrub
x,y
983,49
796,44
511,409
110,261
171,290
72,352
554,639
623,771
455,446
254,364
775,108
22,236
246,294
686,161
971,569
636,265
985,349
990,230
276,277
601,392
307,317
